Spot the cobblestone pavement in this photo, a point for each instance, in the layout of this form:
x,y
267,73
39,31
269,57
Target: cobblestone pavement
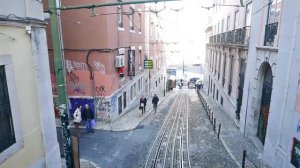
x,y
129,149
233,140
206,150
125,149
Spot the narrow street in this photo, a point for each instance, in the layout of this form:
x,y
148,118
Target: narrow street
x,y
135,148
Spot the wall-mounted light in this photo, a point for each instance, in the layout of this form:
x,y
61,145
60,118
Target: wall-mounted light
x,y
28,29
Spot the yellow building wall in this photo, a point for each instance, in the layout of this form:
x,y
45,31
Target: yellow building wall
x,y
24,76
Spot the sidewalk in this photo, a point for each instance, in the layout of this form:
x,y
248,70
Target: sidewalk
x,y
83,164
131,119
233,140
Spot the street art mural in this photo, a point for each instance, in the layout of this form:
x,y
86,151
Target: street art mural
x,y
295,159
72,77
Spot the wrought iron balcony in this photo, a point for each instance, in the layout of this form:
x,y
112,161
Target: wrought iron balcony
x,y
242,36
223,37
239,36
270,33
230,37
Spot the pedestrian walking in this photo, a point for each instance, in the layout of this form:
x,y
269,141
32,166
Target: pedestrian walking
x,y
143,102
89,117
155,100
77,119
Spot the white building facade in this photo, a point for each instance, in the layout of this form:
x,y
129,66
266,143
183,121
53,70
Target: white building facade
x,y
270,110
226,54
27,126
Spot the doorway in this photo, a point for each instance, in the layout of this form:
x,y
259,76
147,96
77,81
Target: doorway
x,y
265,104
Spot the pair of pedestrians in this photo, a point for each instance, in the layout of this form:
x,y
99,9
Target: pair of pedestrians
x,y
143,102
87,115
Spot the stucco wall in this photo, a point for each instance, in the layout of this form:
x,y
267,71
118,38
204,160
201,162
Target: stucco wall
x,y
23,65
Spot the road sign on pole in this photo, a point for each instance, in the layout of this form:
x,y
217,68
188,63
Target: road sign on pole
x,y
148,64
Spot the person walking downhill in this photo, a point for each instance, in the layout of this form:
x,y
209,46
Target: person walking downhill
x,y
77,119
143,102
155,100
89,117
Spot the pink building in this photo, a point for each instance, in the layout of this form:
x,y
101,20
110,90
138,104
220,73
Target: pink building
x,y
104,54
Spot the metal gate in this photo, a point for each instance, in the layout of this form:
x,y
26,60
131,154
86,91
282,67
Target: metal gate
x,y
7,137
264,112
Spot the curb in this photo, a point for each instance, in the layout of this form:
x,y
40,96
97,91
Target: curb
x,y
150,112
226,147
134,127
230,153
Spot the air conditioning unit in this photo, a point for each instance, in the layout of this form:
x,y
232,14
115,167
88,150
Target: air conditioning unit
x,y
120,61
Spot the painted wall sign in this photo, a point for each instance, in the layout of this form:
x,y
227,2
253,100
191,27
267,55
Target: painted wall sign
x,y
131,63
148,64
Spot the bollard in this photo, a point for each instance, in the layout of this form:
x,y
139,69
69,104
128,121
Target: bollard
x,y
219,131
244,159
215,124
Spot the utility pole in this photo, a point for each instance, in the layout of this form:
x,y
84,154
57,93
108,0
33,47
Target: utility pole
x,y
60,82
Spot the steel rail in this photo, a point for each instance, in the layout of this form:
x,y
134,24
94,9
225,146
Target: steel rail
x,y
160,131
170,134
187,132
174,141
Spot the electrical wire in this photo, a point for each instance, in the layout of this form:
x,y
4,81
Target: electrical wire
x,y
269,3
15,18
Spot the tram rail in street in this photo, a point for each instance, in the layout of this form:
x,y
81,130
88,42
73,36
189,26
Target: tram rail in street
x,y
170,147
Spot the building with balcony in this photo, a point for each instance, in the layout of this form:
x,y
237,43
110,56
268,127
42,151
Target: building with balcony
x,y
226,54
270,107
27,127
104,50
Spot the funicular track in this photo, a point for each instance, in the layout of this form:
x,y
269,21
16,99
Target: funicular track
x,y
170,147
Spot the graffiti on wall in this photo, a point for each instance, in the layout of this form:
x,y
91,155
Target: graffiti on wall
x,y
99,67
100,90
295,155
77,88
77,66
72,77
103,108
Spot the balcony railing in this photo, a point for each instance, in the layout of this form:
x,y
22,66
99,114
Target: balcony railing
x,y
234,37
270,33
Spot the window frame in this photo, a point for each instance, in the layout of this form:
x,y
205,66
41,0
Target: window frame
x,y
131,20
14,105
120,17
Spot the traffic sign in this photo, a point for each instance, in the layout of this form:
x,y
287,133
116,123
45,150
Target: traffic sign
x,y
148,64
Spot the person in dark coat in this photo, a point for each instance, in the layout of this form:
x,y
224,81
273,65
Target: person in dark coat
x,y
155,100
143,103
89,117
